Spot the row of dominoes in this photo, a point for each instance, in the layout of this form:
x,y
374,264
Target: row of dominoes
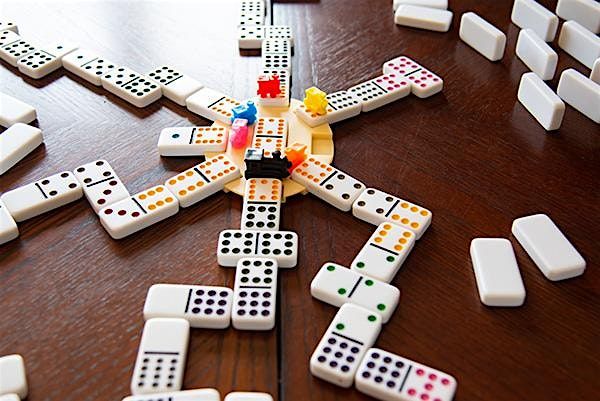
x,y
495,265
13,380
253,29
401,77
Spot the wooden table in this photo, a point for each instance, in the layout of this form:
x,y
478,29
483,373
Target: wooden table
x,y
71,297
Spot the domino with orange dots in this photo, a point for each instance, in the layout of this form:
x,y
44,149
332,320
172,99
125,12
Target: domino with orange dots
x,y
270,134
212,104
423,82
262,204
340,106
384,252
375,207
203,180
328,183
139,211
192,141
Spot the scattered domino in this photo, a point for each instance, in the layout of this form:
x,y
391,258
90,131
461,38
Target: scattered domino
x,y
12,375
580,43
87,65
175,85
529,14
262,204
340,106
283,99
482,36
101,185
352,331
236,244
246,396
8,227
595,74
279,32
441,4
424,83
432,19
44,60
270,134
212,105
384,252
390,377
131,86
14,111
160,362
9,397
380,91
203,306
192,141
42,196
375,207
328,183
250,37
586,12
536,54
8,26
551,251
581,93
337,285
543,104
12,47
203,180
252,12
16,143
497,273
139,211
255,294
205,394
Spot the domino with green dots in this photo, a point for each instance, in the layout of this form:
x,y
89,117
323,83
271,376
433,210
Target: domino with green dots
x,y
351,333
336,284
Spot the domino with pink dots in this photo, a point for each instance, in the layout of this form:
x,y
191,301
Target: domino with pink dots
x,y
423,82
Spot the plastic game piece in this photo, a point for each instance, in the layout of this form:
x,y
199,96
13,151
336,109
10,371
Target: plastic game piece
x,y
16,143
581,93
87,65
204,394
212,104
340,106
236,244
238,135
283,98
43,61
246,111
580,43
432,19
8,226
296,154
260,166
529,14
586,12
482,36
14,111
536,54
315,100
547,108
101,185
12,375
268,86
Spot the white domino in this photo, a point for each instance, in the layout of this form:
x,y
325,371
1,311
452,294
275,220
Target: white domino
x,y
203,180
390,377
262,204
250,37
340,106
375,207
586,12
42,196
328,183
283,99
204,394
595,74
380,91
9,397
160,362
101,185
8,227
482,36
497,272
551,251
139,211
424,83
351,333
212,105
203,306
255,294
12,375
270,134
279,32
529,14
14,111
441,4
432,19
276,54
8,26
131,86
543,104
13,47
16,143
252,12
44,60
580,43
175,85
236,244
336,285
248,396
87,65
536,54
581,93
383,254
192,141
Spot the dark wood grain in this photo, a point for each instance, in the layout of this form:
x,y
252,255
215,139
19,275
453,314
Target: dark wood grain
x,y
71,297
